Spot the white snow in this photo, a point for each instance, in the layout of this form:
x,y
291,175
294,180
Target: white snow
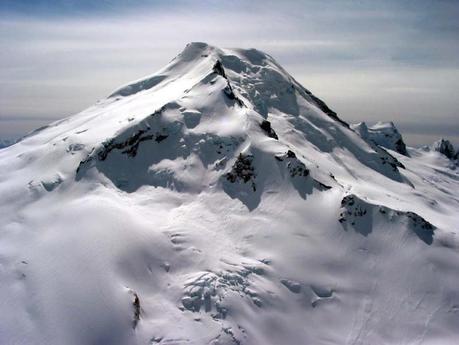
x,y
165,214
384,134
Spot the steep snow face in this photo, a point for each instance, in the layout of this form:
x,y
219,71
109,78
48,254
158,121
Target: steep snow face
x,y
384,134
220,202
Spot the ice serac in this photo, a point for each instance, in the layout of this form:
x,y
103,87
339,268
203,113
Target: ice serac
x,y
218,201
384,134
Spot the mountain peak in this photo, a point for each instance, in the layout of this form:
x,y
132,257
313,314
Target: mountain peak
x,y
207,96
255,75
198,45
202,202
196,50
445,147
384,134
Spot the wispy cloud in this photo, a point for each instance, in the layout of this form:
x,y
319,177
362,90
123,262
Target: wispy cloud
x,y
375,60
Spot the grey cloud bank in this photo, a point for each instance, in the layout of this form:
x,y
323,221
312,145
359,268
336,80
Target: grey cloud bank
x,y
368,60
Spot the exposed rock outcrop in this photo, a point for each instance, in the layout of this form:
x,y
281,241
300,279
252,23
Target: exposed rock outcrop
x,y
445,148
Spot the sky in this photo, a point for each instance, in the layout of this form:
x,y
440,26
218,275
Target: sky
x,y
391,60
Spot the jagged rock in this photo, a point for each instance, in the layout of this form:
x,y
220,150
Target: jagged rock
x,y
324,107
136,308
446,148
358,213
293,164
231,95
228,90
417,220
386,158
130,145
243,170
322,186
266,127
218,68
352,208
127,146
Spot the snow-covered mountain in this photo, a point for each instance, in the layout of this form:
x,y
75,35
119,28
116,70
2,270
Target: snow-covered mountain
x,y
384,134
218,201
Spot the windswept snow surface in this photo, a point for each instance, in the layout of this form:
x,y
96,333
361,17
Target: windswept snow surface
x,y
219,202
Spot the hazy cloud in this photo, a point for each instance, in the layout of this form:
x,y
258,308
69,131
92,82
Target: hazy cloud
x,y
369,60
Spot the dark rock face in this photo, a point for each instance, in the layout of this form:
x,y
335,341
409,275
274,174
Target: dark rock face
x,y
160,137
387,158
243,170
218,68
446,148
297,169
359,215
136,307
228,90
400,147
291,154
324,107
417,220
266,127
128,146
293,164
352,209
299,174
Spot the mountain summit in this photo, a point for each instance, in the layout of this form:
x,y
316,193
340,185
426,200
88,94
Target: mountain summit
x,y
218,201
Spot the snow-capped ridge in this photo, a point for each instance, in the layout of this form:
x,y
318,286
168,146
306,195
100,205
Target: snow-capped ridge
x,y
245,87
236,60
445,147
359,215
384,134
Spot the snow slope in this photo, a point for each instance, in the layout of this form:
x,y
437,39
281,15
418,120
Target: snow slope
x,y
218,201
